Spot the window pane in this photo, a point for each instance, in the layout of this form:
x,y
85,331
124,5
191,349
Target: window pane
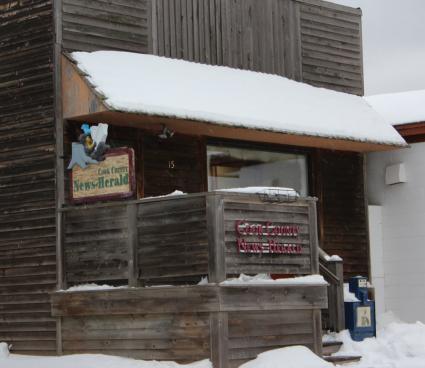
x,y
231,167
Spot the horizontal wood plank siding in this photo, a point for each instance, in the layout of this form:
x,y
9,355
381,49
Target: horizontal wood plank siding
x,y
262,213
251,333
182,337
27,178
331,47
185,323
90,25
172,240
95,245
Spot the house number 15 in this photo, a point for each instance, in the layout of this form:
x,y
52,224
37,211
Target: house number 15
x,y
171,164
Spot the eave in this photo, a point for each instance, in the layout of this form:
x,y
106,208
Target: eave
x,y
82,103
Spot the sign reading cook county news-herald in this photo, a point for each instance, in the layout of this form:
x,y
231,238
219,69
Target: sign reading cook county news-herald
x,y
112,178
267,238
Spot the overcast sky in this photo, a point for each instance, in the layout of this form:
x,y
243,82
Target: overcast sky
x,y
393,44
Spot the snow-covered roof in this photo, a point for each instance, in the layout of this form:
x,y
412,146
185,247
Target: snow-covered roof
x,y
153,85
400,108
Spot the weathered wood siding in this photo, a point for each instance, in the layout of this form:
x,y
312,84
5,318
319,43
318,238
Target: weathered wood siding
x,y
96,245
246,34
278,215
179,240
172,164
182,337
343,223
90,25
173,240
227,324
331,44
27,177
253,332
307,40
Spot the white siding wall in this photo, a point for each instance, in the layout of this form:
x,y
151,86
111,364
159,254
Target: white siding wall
x,y
403,230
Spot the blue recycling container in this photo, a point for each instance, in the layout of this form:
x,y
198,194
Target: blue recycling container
x,y
360,315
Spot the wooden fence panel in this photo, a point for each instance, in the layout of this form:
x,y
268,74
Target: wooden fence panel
x,y
254,332
262,214
173,241
180,337
96,245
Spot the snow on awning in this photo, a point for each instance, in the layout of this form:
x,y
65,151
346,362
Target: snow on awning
x,y
400,108
158,86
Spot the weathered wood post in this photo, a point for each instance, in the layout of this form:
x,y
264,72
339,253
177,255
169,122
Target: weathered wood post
x,y
217,273
336,297
132,239
314,254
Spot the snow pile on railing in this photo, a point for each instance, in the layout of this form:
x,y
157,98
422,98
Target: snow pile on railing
x,y
262,279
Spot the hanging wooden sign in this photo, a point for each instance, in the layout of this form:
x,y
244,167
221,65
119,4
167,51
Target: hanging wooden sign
x,y
113,178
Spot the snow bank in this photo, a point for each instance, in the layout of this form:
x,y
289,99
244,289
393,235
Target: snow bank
x,y
397,344
266,279
400,108
290,357
160,86
90,361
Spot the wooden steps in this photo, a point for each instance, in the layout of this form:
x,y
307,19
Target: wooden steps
x,y
332,347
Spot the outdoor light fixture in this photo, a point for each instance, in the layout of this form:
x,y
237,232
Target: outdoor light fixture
x,y
166,133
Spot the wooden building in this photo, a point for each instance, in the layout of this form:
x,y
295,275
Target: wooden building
x,y
306,40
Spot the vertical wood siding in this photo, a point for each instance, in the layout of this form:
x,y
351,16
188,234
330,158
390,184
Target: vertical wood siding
x,y
27,189
172,164
343,210
90,25
246,34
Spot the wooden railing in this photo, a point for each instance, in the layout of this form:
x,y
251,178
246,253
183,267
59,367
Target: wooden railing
x,y
178,240
333,318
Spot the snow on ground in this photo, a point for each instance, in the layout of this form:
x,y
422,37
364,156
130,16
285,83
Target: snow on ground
x,y
400,108
397,345
89,361
153,85
291,357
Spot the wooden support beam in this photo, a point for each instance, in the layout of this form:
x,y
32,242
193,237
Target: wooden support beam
x,y
216,248
219,335
132,239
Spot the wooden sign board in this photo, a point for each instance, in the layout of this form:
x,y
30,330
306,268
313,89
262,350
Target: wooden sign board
x,y
113,178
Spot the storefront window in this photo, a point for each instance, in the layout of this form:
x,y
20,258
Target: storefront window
x,y
232,167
